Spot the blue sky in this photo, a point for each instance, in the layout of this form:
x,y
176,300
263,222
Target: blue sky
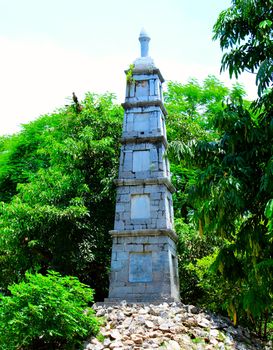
x,y
50,48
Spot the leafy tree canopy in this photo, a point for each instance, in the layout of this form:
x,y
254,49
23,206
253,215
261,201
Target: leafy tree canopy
x,y
245,30
57,192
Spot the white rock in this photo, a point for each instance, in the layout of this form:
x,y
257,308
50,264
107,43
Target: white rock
x,y
120,316
137,339
213,333
100,312
172,345
164,327
149,324
115,344
115,334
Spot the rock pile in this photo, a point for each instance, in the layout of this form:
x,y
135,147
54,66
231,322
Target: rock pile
x,y
168,327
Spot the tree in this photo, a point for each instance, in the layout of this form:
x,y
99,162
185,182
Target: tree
x,y
57,182
245,29
231,193
191,120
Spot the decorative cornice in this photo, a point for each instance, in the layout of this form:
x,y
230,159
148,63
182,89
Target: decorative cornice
x,y
147,71
143,139
146,232
145,182
158,103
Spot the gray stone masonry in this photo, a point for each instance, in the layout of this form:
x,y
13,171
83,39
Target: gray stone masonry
x,y
143,268
144,259
159,201
143,160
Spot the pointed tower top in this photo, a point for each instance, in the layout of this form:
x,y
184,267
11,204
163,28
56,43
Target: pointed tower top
x,y
143,33
144,62
144,42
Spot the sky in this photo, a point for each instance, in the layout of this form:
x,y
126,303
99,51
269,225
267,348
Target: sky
x,y
51,48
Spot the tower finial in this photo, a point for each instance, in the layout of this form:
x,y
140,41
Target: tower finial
x,y
144,42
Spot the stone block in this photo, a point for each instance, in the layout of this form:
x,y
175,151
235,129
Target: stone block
x,y
122,255
132,90
124,190
154,155
126,216
123,276
120,292
113,256
157,278
140,240
118,247
153,287
154,209
152,87
161,223
116,265
119,208
122,240
137,189
134,248
139,288
125,197
161,214
152,247
119,225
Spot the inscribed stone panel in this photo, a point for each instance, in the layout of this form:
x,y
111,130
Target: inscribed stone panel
x,y
141,161
140,267
140,206
141,122
142,88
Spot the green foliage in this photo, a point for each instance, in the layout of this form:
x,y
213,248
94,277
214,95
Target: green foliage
x,y
245,29
190,108
58,194
46,312
221,153
229,198
245,32
58,197
129,74
191,249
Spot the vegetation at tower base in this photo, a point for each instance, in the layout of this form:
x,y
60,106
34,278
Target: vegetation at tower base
x,y
57,192
47,312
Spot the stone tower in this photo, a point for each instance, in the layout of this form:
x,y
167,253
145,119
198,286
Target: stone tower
x,y
144,260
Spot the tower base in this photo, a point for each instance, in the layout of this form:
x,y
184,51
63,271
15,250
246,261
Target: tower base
x,y
144,267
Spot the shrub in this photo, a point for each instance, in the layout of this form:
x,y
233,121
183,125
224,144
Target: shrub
x,y
46,312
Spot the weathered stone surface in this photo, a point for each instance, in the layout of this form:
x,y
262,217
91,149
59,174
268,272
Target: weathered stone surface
x,y
141,270
170,326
